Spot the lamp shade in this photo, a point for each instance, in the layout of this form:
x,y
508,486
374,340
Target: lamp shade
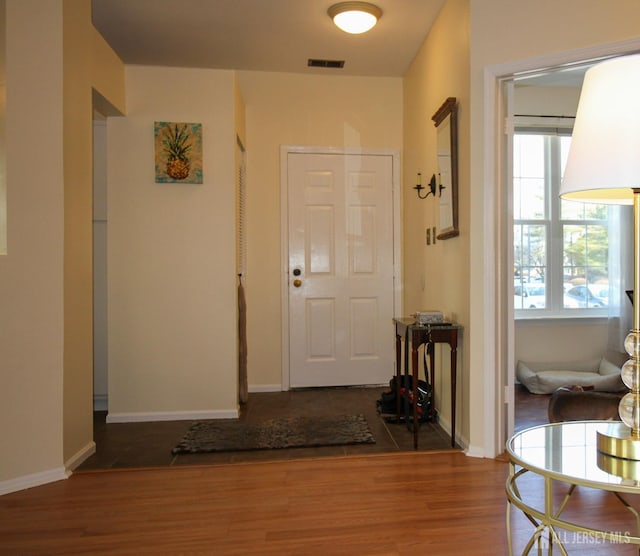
x,y
603,165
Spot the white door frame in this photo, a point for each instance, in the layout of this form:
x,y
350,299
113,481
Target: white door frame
x,y
499,331
284,234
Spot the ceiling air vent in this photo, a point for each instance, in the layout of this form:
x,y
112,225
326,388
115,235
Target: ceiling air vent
x,y
315,63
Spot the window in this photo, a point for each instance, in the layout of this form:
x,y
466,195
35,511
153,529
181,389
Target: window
x,y
561,248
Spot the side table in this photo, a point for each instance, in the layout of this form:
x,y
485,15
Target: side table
x,y
415,335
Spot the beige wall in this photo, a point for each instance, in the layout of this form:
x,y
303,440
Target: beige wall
x,y
31,321
546,101
239,112
85,64
436,277
504,31
509,34
45,324
171,254
310,110
146,283
560,341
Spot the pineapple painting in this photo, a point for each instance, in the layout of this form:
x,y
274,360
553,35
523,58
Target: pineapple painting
x,y
178,152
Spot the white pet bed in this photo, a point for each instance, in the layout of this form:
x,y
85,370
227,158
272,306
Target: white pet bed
x,y
603,374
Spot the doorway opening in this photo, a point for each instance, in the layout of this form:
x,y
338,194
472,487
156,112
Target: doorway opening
x,y
100,328
510,338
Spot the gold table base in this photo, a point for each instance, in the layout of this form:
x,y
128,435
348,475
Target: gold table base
x,y
618,442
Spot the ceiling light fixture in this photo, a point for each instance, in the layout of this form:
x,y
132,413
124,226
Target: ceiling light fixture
x,y
354,17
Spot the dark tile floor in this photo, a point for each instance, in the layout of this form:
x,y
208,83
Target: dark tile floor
x,y
149,444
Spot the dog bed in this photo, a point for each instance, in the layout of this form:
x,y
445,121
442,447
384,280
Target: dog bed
x,y
602,374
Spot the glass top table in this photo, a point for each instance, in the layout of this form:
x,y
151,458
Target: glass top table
x,y
567,453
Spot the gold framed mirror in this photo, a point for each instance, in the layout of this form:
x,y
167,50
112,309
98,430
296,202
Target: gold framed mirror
x,y
446,122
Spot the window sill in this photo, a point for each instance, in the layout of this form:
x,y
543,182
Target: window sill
x,y
548,318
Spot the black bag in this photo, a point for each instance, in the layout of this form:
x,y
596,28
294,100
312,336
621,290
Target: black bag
x,y
386,405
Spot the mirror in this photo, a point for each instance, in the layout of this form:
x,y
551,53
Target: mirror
x,y
446,122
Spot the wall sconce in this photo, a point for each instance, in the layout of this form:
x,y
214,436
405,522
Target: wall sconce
x,y
432,187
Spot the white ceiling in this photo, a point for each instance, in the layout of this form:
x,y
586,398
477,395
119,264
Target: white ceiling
x,y
265,35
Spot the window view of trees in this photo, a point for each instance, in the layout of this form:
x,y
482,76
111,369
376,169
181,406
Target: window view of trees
x,y
561,248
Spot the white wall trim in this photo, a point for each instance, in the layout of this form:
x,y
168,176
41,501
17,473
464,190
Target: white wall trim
x,y
80,456
171,416
570,58
33,480
284,233
475,452
265,388
495,331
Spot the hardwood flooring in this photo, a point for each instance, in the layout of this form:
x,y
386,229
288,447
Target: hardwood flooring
x,y
394,503
530,409
406,503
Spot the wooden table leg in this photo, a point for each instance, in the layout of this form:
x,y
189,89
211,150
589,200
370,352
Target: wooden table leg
x,y
431,347
414,387
454,374
398,372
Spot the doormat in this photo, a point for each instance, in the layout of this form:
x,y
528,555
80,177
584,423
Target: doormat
x,y
273,434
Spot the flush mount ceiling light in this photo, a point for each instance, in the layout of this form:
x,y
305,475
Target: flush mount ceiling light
x,y
354,17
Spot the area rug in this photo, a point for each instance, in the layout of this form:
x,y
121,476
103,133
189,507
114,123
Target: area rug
x,y
293,432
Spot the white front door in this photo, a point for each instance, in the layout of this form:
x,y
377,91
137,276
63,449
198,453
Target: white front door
x,y
341,269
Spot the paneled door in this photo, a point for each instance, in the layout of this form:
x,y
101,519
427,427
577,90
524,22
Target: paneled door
x,y
341,269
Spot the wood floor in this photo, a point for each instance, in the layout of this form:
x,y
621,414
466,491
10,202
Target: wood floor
x,y
396,503
409,503
386,504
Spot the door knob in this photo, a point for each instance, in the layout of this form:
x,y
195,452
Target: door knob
x,y
297,272
297,283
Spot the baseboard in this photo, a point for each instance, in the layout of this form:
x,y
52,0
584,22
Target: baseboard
x,y
80,456
255,388
170,416
33,480
475,452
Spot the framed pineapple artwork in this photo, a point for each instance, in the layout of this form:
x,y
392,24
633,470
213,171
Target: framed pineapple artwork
x,y
178,152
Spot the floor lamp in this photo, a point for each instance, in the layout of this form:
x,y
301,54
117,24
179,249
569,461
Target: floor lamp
x,y
603,166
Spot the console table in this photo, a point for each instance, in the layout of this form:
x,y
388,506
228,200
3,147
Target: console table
x,y
567,454
415,335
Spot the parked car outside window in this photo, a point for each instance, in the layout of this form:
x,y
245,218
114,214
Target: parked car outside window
x,y
601,292
584,297
529,296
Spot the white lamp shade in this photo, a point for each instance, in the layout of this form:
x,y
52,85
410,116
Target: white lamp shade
x,y
603,165
355,17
